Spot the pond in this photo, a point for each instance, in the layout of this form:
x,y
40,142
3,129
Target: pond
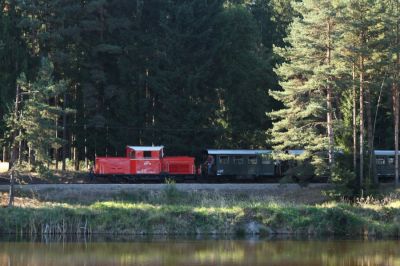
x,y
187,252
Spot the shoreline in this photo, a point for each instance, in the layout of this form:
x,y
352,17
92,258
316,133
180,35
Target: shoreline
x,y
288,221
184,210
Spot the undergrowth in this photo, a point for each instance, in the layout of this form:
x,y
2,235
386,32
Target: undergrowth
x,y
171,211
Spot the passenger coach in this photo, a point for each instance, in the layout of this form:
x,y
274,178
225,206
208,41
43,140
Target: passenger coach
x,y
243,163
385,163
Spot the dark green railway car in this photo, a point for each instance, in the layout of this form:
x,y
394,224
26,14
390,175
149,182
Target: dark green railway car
x,y
243,163
384,163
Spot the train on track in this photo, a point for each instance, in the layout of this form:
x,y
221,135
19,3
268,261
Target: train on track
x,y
148,163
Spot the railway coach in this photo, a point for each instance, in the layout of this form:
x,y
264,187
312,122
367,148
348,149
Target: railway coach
x,y
242,163
385,163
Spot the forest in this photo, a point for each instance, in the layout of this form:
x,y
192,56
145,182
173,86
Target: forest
x,y
85,78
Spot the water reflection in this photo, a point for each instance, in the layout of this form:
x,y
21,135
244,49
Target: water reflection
x,y
200,252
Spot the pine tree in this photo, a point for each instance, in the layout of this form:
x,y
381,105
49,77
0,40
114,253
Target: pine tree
x,y
364,47
308,81
244,74
37,114
14,58
182,83
392,35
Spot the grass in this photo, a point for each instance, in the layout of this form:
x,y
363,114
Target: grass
x,y
171,211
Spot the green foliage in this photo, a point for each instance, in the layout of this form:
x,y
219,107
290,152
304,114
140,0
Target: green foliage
x,y
34,122
37,115
170,192
185,74
14,57
344,48
344,181
45,173
223,214
243,56
306,76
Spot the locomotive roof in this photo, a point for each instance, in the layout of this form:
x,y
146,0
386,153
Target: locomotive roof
x,y
385,152
238,152
146,148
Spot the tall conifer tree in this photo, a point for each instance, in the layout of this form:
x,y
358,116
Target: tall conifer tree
x,y
308,82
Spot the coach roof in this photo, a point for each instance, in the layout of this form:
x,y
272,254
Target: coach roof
x,y
385,152
238,152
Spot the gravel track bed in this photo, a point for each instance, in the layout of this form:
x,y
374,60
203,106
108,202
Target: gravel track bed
x,y
182,187
88,193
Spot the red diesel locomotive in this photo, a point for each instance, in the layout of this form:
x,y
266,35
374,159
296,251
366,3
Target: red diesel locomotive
x,y
145,161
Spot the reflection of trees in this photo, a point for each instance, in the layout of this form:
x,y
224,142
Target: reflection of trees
x,y
201,252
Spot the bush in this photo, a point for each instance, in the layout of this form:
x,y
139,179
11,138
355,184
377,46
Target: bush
x,y
170,192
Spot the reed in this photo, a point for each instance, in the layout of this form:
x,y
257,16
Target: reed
x,y
173,212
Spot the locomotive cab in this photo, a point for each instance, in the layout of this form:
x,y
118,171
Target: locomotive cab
x,y
143,152
145,160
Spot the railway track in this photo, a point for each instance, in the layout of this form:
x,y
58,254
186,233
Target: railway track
x,y
179,186
92,193
85,179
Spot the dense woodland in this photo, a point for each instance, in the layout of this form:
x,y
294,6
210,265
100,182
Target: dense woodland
x,y
185,74
86,78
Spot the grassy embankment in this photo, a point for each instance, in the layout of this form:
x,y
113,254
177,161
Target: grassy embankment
x,y
174,212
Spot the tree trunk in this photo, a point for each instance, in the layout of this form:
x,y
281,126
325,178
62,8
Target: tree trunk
x,y
11,191
361,121
86,149
56,131
29,156
76,159
395,97
329,117
396,103
371,175
4,154
19,148
14,152
74,134
354,120
330,128
64,149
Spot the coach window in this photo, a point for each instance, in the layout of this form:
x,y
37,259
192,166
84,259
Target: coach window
x,y
238,160
147,154
252,160
391,161
380,161
266,159
224,159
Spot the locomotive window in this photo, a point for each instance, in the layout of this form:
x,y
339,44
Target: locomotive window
x,y
132,154
238,160
147,154
224,159
380,161
252,160
391,161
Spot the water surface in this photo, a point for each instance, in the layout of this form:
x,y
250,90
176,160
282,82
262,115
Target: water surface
x,y
200,252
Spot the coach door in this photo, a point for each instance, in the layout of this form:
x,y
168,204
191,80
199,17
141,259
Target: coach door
x,y
267,166
252,165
